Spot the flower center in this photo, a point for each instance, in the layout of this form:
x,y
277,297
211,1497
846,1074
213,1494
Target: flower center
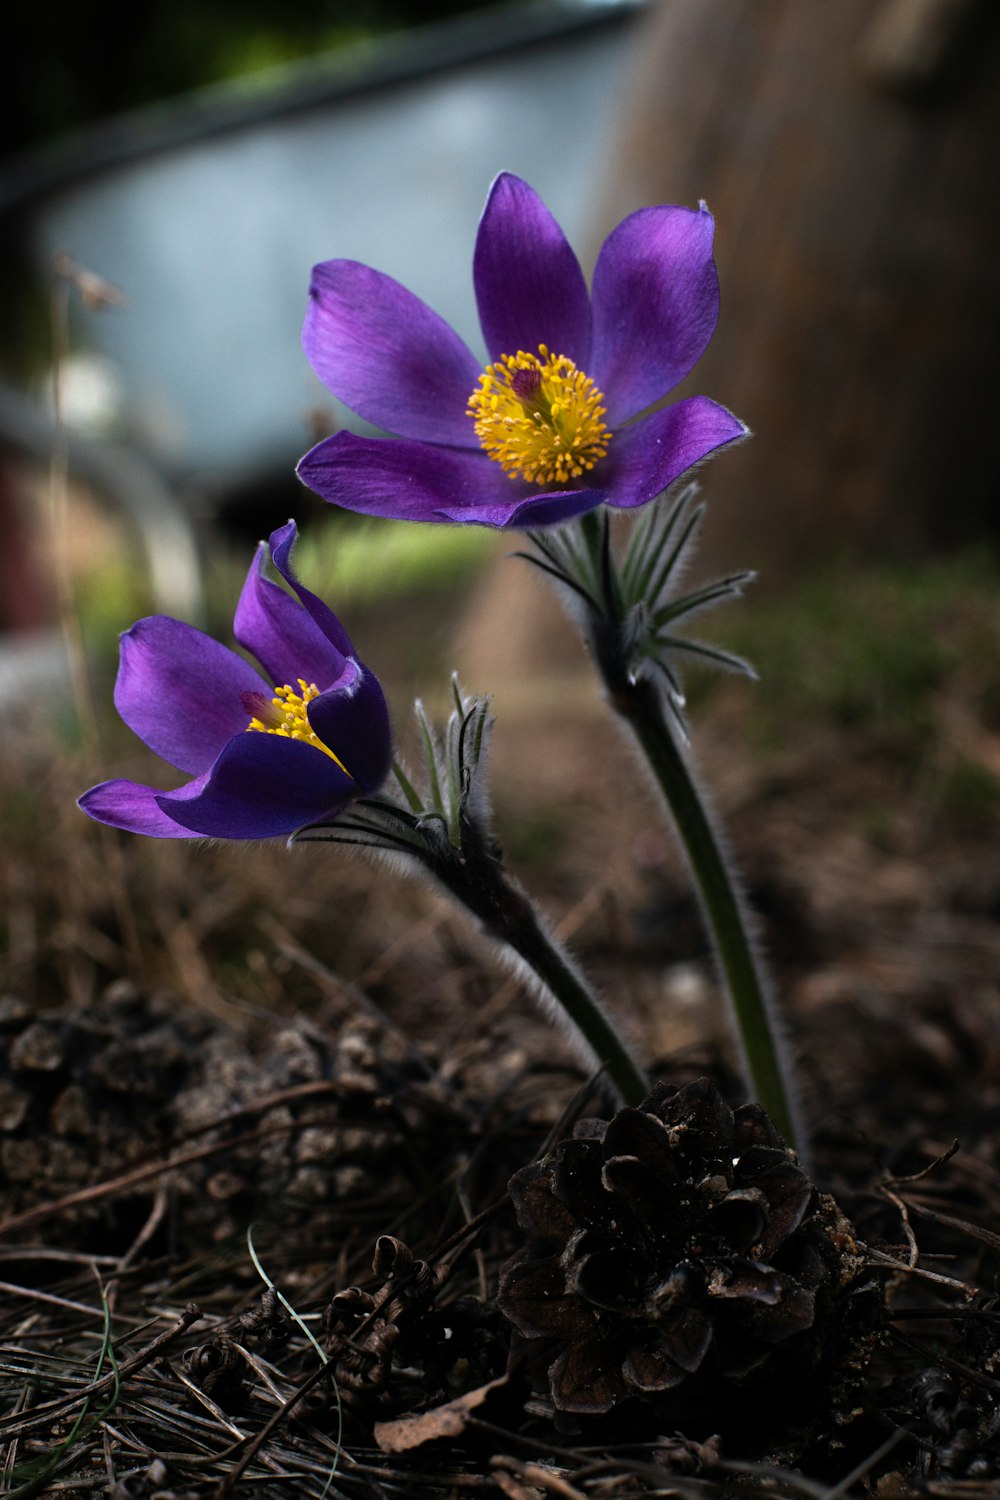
x,y
540,417
286,715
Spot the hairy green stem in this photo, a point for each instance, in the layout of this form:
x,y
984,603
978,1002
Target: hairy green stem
x,y
508,917
609,620
641,706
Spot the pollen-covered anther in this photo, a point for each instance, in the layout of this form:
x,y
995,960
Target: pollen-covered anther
x,y
539,417
285,714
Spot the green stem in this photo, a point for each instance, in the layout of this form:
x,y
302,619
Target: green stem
x,y
507,915
639,702
640,705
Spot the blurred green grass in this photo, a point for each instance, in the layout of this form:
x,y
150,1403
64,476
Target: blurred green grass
x,y
868,647
364,569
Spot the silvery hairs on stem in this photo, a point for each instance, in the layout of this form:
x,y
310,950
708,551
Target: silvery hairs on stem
x,y
629,605
440,824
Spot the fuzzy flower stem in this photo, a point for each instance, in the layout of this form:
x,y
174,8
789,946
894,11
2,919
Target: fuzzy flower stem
x,y
637,699
476,879
443,826
723,908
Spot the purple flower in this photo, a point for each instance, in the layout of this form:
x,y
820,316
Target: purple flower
x,y
569,411
265,760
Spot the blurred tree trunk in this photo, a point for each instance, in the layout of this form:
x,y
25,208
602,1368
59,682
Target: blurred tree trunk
x,y
849,153
848,149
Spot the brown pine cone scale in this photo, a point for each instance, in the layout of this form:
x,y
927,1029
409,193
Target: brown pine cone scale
x,y
677,1246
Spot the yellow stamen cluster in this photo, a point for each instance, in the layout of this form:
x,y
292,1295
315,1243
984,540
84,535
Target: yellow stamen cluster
x,y
286,715
540,417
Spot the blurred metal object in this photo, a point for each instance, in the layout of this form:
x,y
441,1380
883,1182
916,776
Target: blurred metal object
x,y
123,477
210,211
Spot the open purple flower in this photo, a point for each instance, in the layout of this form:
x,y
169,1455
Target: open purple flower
x,y
569,413
265,760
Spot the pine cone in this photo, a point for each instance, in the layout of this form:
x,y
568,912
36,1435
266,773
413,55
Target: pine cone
x,y
677,1245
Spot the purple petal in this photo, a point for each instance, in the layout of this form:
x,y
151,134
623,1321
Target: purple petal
x,y
291,639
355,725
181,692
656,302
127,805
645,459
281,543
387,355
418,482
529,286
262,786
531,511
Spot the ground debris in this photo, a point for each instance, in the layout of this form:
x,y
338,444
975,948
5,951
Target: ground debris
x,y
296,1056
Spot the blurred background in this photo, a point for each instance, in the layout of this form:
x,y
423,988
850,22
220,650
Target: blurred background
x,y
199,160
327,130
167,184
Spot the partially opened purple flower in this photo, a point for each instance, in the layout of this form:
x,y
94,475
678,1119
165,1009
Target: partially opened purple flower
x,y
265,759
569,411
